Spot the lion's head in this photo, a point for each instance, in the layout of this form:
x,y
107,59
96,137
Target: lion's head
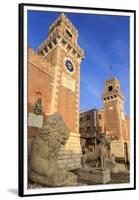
x,y
55,128
102,138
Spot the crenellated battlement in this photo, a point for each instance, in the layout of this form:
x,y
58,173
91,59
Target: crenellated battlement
x,y
112,90
62,33
39,62
63,19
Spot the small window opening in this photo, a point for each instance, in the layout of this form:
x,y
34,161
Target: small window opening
x,y
68,33
110,88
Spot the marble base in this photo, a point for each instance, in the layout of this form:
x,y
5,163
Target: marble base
x,y
94,175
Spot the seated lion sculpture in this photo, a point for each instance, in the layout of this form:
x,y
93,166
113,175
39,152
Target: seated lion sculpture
x,y
100,153
43,167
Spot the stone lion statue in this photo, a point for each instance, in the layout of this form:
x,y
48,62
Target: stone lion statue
x,y
100,153
43,167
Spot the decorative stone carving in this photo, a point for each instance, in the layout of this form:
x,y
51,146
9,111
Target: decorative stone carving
x,y
38,106
43,167
99,153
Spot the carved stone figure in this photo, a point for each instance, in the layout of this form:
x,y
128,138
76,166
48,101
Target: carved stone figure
x,y
99,153
43,167
38,106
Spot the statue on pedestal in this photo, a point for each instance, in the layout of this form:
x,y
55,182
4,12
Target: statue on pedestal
x,y
96,174
43,167
100,153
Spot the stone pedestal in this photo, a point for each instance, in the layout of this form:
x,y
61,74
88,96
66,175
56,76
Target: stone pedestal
x,y
117,148
69,156
94,176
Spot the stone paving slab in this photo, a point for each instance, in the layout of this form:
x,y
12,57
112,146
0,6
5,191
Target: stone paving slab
x,y
121,177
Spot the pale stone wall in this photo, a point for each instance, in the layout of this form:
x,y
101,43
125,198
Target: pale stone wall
x,y
70,155
117,147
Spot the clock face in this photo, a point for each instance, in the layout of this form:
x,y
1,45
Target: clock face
x,y
69,66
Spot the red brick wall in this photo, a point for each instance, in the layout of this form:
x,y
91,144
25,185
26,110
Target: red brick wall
x,y
126,134
67,99
38,82
99,122
41,84
112,119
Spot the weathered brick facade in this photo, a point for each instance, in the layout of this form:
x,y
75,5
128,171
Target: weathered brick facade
x,y
91,122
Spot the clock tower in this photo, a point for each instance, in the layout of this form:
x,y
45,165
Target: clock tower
x,y
62,51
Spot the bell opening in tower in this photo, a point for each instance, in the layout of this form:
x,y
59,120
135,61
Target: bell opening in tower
x,y
110,88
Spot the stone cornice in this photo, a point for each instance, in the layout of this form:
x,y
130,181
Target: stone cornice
x,y
49,44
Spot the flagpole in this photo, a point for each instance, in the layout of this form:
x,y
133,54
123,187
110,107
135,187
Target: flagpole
x,y
111,71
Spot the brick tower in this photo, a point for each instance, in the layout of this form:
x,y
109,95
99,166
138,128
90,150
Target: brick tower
x,y
64,54
60,57
114,115
114,109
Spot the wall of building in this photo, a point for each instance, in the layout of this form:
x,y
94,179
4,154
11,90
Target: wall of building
x,y
40,85
126,135
92,122
101,121
112,119
59,89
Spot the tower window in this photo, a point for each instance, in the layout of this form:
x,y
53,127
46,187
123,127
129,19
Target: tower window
x,y
78,56
69,47
68,33
45,49
88,117
63,42
54,41
74,52
50,45
110,88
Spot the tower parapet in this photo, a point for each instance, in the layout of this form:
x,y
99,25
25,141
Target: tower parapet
x,y
62,32
112,90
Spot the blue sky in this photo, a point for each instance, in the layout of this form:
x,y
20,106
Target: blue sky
x,y
105,40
